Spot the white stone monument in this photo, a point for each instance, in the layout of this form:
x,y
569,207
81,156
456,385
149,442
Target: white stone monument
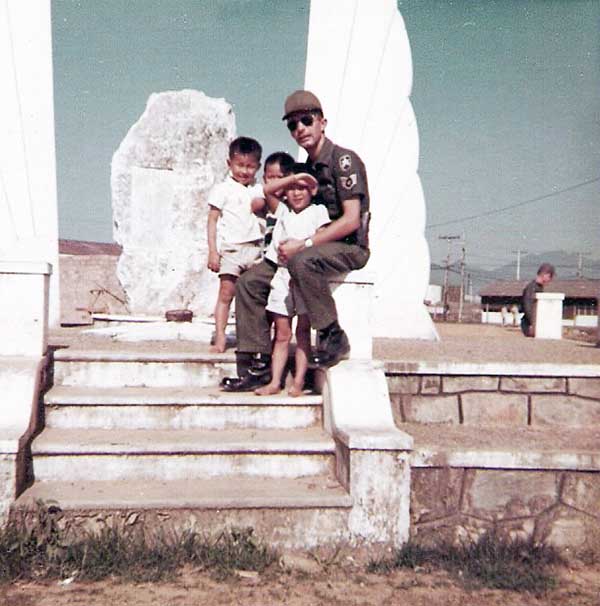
x,y
359,65
161,176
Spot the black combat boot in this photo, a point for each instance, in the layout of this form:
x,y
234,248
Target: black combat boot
x,y
257,374
333,346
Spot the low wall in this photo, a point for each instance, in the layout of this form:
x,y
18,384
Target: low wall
x,y
506,400
538,489
88,283
559,507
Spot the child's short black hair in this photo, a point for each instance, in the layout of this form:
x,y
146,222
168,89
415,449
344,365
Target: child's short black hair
x,y
284,160
245,146
302,167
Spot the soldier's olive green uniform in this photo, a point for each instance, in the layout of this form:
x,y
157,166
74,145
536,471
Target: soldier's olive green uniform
x,y
341,175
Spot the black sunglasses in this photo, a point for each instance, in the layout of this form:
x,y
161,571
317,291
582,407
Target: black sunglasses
x,y
307,120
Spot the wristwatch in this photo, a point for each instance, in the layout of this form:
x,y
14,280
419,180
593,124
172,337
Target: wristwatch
x,y
308,243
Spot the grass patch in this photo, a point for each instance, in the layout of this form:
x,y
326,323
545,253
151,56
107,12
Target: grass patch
x,y
40,549
493,561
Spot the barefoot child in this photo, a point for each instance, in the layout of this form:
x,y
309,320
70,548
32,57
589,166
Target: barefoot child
x,y
297,218
233,205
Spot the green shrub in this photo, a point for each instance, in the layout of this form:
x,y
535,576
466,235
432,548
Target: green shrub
x,y
41,550
493,561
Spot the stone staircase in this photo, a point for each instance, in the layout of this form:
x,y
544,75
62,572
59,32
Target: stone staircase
x,y
152,434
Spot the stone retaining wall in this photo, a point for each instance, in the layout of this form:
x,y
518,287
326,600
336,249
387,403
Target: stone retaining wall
x,y
561,508
495,400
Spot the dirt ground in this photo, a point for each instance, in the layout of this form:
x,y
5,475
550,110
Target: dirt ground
x,y
345,584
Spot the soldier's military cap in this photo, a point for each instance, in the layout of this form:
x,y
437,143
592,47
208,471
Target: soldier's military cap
x,y
299,101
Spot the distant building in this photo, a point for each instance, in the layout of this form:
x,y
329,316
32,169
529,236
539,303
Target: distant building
x,y
580,306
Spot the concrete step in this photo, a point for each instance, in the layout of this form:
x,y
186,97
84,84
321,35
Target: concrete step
x,y
116,368
299,513
495,447
176,408
100,454
211,493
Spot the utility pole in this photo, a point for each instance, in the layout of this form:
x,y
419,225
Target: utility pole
x,y
519,252
445,293
462,279
580,263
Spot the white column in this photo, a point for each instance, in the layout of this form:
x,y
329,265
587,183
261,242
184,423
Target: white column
x,y
548,315
24,308
28,206
359,65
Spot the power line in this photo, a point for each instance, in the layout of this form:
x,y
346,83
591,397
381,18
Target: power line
x,y
518,204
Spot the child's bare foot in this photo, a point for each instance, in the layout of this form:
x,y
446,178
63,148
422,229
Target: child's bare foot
x,y
218,346
268,390
295,391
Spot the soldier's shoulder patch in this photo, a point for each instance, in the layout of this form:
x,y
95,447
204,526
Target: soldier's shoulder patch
x,y
345,162
348,182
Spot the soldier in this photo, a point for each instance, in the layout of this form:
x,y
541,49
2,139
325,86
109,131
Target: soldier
x,y
339,247
545,275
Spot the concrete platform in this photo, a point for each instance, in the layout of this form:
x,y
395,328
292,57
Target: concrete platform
x,y
460,343
211,493
449,445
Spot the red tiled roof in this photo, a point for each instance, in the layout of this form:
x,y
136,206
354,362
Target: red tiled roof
x,y
81,247
581,288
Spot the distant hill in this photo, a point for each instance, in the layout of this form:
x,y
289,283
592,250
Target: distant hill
x,y
566,268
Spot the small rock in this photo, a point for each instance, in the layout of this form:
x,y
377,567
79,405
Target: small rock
x,y
247,575
289,561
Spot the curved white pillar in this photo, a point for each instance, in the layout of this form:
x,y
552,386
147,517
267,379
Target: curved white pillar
x,y
28,207
359,65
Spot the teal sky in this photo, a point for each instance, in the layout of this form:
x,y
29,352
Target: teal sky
x,y
506,94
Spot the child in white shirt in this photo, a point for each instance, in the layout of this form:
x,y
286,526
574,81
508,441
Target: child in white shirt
x,y
296,218
233,230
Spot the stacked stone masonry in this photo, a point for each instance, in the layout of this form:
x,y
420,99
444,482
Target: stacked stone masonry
x,y
495,400
557,505
561,508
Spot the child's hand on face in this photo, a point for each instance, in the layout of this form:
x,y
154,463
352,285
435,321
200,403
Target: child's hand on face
x,y
307,180
214,261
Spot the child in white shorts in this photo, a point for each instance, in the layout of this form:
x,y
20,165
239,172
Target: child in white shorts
x,y
299,219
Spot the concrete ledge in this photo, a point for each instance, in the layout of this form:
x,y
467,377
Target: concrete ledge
x,y
213,493
357,406
372,454
501,369
99,355
21,379
375,440
353,296
69,395
491,459
516,448
55,441
25,267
